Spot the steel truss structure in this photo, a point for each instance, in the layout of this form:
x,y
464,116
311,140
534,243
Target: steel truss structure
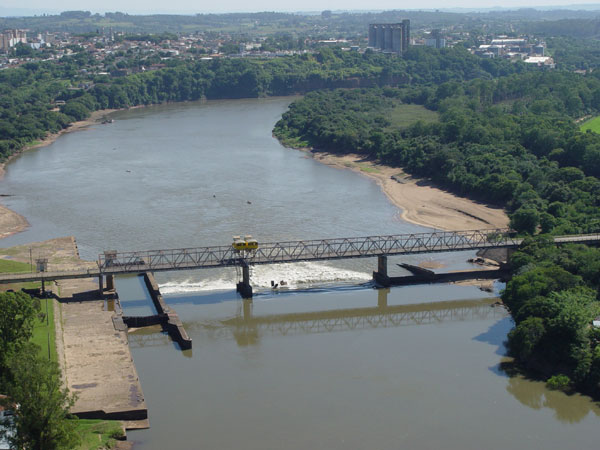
x,y
311,250
316,250
113,262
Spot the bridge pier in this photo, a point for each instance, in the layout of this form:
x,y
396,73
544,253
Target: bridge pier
x,y
110,282
243,287
381,276
101,284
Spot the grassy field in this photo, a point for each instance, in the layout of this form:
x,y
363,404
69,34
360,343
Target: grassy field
x,y
592,124
404,115
8,266
96,434
44,334
13,266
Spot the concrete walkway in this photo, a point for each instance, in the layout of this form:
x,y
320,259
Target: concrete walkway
x,y
97,362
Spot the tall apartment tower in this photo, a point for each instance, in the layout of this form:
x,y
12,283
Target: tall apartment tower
x,y
10,38
390,37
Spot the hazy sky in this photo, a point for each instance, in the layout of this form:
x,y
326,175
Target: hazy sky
x,y
205,6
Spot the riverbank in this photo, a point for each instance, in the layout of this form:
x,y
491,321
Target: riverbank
x,y
11,222
422,203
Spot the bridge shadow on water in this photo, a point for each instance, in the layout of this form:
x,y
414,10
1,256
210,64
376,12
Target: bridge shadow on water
x,y
285,312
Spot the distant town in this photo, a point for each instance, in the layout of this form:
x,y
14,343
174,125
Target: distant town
x,y
111,49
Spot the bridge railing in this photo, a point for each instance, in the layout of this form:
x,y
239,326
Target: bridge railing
x,y
319,249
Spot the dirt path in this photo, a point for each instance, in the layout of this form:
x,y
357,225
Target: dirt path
x,y
98,364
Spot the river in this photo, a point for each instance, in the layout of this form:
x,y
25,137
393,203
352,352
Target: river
x,y
330,362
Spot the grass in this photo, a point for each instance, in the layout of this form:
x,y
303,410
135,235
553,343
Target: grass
x,y
368,169
8,266
405,115
44,333
96,434
592,124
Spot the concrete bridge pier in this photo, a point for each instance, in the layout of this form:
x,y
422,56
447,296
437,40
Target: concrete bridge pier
x,y
243,287
381,276
110,282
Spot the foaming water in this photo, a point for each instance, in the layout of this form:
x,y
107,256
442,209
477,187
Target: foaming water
x,y
301,275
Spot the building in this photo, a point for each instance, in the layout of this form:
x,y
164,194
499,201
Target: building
x,y
545,62
390,37
10,38
435,40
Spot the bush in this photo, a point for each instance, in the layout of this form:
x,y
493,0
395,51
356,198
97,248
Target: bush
x,y
559,382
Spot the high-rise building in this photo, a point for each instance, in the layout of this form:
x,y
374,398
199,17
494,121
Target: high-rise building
x,y
436,39
390,37
10,38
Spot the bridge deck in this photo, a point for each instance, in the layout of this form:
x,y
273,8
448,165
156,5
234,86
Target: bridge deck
x,y
113,263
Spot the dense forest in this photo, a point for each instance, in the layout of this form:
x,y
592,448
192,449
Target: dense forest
x,y
27,94
553,298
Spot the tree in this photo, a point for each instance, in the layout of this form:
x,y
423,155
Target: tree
x,y
525,220
523,339
41,420
17,314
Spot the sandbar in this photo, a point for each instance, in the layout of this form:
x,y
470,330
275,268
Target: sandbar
x,y
422,203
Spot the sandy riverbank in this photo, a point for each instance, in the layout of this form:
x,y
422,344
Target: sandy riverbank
x,y
421,202
11,222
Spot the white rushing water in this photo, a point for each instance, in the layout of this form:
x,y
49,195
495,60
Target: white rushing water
x,y
299,275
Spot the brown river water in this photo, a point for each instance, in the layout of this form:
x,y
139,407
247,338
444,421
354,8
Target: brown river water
x,y
330,362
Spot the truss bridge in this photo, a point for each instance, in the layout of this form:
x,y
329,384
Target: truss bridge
x,y
112,263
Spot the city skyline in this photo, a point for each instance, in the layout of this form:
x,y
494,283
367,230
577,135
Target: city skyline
x,y
30,7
